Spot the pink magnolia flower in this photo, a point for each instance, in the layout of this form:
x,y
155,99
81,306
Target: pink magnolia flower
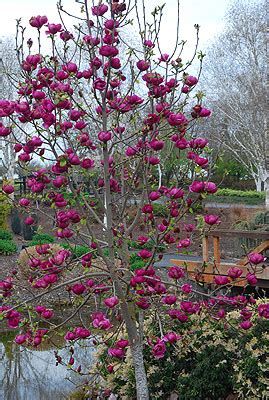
x,y
191,80
234,272
20,339
111,301
99,84
99,10
197,187
153,196
171,337
100,321
185,89
122,343
204,112
169,300
189,227
164,57
221,280
182,143
149,43
8,189
78,288
251,278
145,254
159,349
184,243
143,303
82,333
186,288
116,352
70,336
211,219
29,220
38,21
176,272
47,314
176,119
256,258
143,65
263,310
246,324
156,144
53,29
104,136
211,187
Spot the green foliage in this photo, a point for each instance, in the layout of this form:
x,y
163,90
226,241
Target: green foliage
x,y
76,250
212,360
137,264
208,375
5,209
149,245
42,238
7,247
5,235
160,210
262,219
231,167
240,193
237,196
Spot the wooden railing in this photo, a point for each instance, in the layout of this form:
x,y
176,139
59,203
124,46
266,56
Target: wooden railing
x,y
205,270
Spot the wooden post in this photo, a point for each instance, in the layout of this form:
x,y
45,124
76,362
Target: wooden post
x,y
205,249
216,247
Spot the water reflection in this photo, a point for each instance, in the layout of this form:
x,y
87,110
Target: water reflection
x,y
32,375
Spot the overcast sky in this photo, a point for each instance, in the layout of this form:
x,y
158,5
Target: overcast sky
x,y
207,13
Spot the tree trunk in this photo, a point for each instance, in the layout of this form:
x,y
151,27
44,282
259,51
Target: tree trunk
x,y
258,183
142,392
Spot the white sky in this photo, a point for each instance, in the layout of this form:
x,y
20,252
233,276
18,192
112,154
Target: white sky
x,y
207,13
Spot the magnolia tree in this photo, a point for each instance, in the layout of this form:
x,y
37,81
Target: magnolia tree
x,y
86,125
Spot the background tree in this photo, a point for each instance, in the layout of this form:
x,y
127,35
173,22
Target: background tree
x,y
236,71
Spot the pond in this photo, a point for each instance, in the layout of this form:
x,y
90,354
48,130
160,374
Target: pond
x,y
32,374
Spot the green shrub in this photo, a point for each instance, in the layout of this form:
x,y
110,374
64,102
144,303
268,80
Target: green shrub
x,y
7,247
212,360
42,238
5,235
149,245
237,196
5,209
160,210
76,250
137,264
240,193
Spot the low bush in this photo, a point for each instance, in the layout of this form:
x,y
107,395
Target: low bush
x,y
160,210
76,250
5,235
42,238
211,360
149,245
237,196
7,247
29,253
5,209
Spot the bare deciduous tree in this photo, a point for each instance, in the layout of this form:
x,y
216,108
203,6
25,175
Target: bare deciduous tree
x,y
236,69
